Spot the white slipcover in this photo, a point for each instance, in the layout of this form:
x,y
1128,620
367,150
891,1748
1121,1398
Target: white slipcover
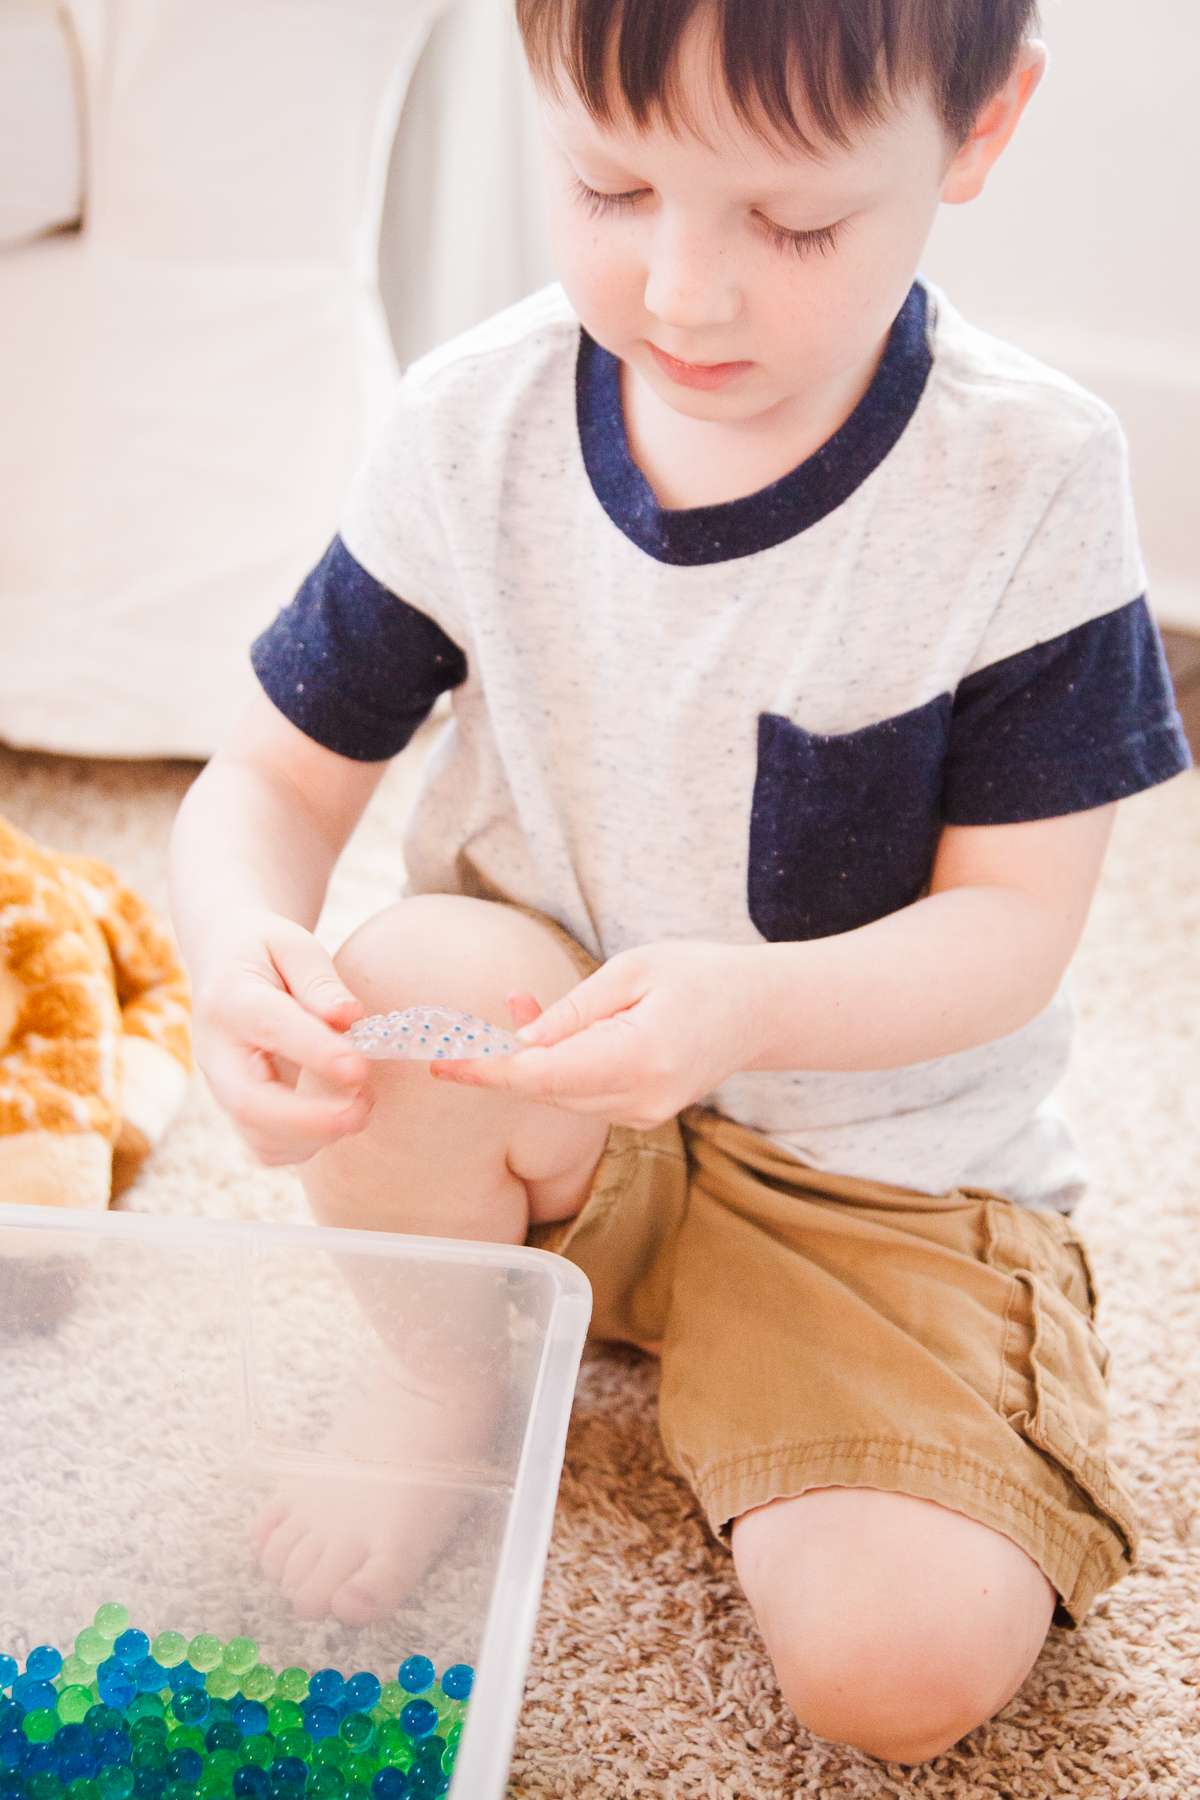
x,y
187,383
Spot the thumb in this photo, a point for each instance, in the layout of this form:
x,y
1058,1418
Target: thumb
x,y
307,971
610,990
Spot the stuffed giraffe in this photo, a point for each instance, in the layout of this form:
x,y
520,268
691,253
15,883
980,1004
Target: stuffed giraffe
x,y
95,1028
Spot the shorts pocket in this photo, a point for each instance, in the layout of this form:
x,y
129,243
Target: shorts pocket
x,y
1057,1402
843,829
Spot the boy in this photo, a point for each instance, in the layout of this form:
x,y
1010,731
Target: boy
x,y
797,657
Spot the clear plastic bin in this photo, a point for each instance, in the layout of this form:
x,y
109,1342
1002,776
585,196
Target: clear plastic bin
x,y
164,1378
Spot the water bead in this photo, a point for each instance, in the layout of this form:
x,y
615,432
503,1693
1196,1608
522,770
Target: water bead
x,y
131,1647
357,1730
9,1669
293,1745
320,1721
419,1718
12,1748
185,1765
114,1685
180,1790
258,1683
415,1674
284,1715
221,1685
259,1750
363,1691
149,1784
40,1724
458,1681
191,1706
326,1685
289,1769
74,1705
144,1706
43,1663
204,1652
115,1781
84,1788
430,1034
111,1620
184,1676
250,1783
390,1784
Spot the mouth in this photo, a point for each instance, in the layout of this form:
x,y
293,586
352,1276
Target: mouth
x,y
698,375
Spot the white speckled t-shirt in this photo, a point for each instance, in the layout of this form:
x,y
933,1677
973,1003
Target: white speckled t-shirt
x,y
748,722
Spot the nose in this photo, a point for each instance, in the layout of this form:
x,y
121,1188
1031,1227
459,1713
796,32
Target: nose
x,y
690,282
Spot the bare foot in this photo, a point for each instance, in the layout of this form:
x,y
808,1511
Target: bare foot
x,y
354,1542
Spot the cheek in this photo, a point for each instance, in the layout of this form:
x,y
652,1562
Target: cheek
x,y
602,275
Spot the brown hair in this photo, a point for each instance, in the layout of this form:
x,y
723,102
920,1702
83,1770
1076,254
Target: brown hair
x,y
846,57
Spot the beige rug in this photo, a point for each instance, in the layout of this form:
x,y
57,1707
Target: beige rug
x,y
647,1674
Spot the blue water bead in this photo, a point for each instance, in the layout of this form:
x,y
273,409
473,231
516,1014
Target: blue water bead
x,y
12,1744
34,1693
149,1784
11,1714
72,1737
363,1691
415,1674
250,1783
76,1765
289,1770
131,1647
320,1721
427,1780
43,1663
184,1765
38,1759
251,1719
326,1685
458,1681
419,1718
12,1785
148,1676
390,1784
9,1668
184,1676
113,1683
112,1747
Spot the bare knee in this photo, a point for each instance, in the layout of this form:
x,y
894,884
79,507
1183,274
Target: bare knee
x,y
895,1625
449,950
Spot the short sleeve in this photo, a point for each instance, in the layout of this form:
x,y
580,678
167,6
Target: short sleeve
x,y
351,664
1081,720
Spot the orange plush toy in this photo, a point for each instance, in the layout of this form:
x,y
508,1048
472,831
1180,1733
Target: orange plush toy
x,y
95,1028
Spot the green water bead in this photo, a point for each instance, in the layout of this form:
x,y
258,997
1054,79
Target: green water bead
x,y
290,1684
224,1763
284,1715
454,1733
185,1737
45,1786
258,1683
258,1750
294,1742
393,1746
111,1620
74,1704
393,1699
150,1753
328,1783
102,1718
222,1683
83,1788
204,1652
77,1672
91,1646
179,1790
358,1731
151,1728
331,1753
212,1786
116,1781
240,1654
40,1725
144,1706
169,1648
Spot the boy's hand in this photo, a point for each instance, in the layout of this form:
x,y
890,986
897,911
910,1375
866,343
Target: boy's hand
x,y
270,1002
650,1032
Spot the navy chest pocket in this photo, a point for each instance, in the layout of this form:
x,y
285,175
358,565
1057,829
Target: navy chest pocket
x,y
843,829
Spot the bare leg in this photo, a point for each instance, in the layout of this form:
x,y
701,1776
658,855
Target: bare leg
x,y
440,1161
894,1625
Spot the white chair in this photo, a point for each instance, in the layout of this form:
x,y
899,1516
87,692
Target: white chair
x,y
187,381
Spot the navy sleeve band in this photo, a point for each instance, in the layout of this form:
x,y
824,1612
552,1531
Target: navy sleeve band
x,y
354,667
1073,723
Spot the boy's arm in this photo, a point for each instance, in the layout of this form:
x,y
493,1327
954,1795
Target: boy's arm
x,y
251,854
658,1027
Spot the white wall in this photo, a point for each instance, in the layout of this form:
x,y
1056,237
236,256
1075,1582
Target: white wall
x,y
1085,249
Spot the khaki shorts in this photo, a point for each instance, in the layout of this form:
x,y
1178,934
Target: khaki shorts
x,y
821,1331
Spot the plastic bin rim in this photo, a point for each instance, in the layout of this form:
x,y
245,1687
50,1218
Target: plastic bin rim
x,y
399,1247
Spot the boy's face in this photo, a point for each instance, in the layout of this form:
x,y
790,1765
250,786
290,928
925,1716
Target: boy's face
x,y
740,278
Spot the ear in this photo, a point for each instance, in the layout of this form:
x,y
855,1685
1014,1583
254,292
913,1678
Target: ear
x,y
995,125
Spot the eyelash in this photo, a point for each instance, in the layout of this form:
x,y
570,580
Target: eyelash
x,y
823,240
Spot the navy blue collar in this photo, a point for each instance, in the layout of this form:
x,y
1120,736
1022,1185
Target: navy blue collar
x,y
711,534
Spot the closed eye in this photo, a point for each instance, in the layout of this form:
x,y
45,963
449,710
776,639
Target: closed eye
x,y
805,243
598,204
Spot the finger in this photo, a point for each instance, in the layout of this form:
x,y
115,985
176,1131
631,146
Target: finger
x,y
260,1016
308,973
277,1117
590,1071
608,991
523,1009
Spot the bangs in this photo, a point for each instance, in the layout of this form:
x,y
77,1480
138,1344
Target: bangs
x,y
847,61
